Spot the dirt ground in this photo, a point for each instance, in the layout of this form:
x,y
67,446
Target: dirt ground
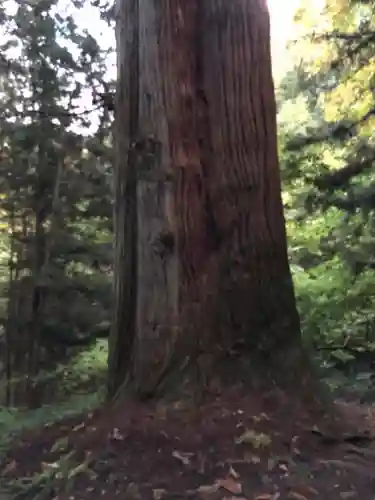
x,y
240,445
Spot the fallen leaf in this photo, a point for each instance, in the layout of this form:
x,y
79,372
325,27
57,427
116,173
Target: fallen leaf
x,y
78,427
233,473
49,466
250,457
301,489
235,498
132,492
60,445
158,494
116,434
180,405
182,457
293,495
208,489
258,440
268,496
348,494
230,485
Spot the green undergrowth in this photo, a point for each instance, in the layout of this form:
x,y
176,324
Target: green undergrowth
x,y
13,420
337,314
81,389
86,372
60,474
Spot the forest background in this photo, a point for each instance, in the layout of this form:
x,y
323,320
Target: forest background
x,y
57,71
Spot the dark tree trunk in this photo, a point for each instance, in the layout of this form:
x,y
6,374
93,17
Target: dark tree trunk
x,y
202,272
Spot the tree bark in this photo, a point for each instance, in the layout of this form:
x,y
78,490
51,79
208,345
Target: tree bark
x,y
202,271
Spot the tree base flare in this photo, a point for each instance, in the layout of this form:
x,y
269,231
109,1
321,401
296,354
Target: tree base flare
x,y
206,376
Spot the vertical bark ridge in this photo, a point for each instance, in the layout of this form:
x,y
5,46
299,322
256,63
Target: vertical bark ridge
x,y
178,39
244,180
123,332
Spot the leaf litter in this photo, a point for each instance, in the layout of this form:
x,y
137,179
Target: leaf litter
x,y
237,446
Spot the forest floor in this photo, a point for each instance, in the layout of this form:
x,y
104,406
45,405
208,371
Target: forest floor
x,y
238,446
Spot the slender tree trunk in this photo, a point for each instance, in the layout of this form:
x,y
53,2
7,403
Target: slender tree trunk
x,y
18,314
9,326
202,271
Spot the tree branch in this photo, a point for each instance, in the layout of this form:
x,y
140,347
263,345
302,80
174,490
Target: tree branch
x,y
337,35
364,199
334,131
340,178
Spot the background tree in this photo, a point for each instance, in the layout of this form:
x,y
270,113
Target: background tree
x,y
328,158
55,194
201,267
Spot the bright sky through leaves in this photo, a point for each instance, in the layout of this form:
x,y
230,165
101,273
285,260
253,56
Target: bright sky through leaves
x,y
282,30
282,27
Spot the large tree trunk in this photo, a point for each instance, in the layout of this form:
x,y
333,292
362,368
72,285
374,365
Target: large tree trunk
x,y
202,271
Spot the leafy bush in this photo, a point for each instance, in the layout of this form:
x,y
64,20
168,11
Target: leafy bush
x,y
337,312
81,388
